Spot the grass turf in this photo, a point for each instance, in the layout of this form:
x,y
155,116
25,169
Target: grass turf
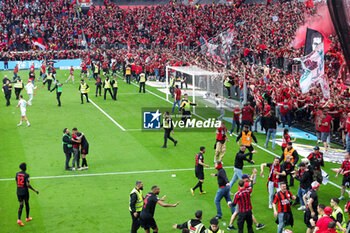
x,y
100,203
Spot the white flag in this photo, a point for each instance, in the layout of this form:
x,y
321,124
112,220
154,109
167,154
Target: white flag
x,y
313,66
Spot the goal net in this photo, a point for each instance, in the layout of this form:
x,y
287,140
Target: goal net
x,y
200,85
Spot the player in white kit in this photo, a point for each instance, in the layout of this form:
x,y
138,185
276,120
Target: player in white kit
x,y
23,104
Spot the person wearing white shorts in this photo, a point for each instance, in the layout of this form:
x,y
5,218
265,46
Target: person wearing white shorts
x,y
23,104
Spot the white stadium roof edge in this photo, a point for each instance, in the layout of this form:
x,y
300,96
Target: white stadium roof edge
x,y
193,70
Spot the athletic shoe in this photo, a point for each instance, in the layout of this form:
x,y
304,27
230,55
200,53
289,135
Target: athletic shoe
x,y
28,125
19,124
270,206
259,226
73,169
19,222
301,207
163,146
192,192
29,219
218,217
341,198
230,136
318,141
80,168
175,143
86,167
204,192
231,227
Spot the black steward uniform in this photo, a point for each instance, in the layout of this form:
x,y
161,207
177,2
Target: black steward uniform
x,y
199,168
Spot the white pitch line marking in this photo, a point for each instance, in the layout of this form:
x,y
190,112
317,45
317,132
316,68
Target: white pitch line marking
x,y
121,127
118,173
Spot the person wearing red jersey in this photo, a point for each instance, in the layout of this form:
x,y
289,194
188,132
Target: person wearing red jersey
x,y
220,145
249,182
235,121
347,140
285,113
42,71
242,199
199,171
71,75
15,71
22,181
276,171
84,70
324,221
345,171
177,99
247,115
318,115
286,138
325,128
283,212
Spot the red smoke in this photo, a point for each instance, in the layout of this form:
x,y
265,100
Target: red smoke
x,y
321,22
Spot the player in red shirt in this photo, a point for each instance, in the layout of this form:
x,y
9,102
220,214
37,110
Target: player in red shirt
x,y
83,70
235,121
286,138
71,75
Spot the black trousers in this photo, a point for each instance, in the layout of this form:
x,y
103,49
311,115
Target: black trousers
x,y
135,223
110,92
228,91
49,82
98,89
8,97
128,77
82,99
245,217
186,115
167,135
18,92
183,83
58,96
68,156
95,76
115,91
142,86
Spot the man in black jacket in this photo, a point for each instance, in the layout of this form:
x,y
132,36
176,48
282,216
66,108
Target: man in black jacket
x,y
305,176
223,191
194,225
270,123
67,146
7,88
240,157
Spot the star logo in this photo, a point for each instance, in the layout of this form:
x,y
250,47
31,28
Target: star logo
x,y
155,115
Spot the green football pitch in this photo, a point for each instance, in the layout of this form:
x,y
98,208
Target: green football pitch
x,y
97,199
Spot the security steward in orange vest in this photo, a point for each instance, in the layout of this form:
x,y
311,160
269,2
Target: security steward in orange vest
x,y
247,137
289,150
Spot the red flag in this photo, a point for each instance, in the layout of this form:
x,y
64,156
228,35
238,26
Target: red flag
x,y
309,3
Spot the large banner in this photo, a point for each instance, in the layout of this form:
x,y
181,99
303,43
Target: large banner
x,y
313,66
58,64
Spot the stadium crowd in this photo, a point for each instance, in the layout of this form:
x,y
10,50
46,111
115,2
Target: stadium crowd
x,y
173,35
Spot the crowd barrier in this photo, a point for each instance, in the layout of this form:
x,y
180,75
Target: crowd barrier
x,y
58,64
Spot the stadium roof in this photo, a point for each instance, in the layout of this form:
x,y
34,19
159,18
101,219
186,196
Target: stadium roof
x,y
193,70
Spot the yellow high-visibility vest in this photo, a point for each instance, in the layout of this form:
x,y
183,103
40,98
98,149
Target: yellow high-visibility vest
x,y
139,202
142,78
128,71
83,88
107,83
115,84
18,84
